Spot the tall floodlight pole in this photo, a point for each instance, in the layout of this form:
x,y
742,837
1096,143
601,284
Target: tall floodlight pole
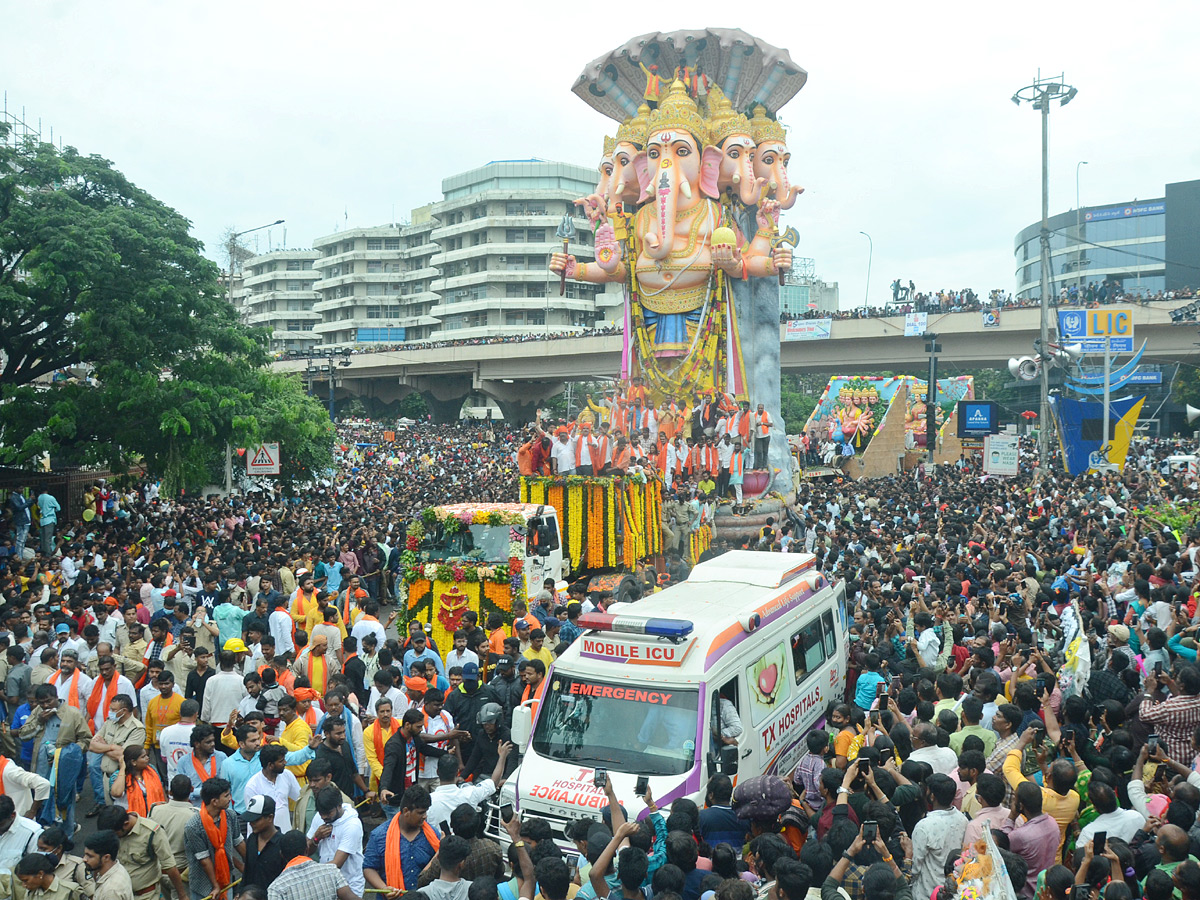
x,y
231,248
1041,94
1078,233
870,256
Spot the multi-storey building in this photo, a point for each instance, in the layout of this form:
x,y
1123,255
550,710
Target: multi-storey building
x,y
496,228
376,284
276,292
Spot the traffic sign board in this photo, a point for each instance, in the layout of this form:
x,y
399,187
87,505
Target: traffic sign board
x,y
264,460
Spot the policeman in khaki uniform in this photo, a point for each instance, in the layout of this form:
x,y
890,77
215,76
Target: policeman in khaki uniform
x,y
121,731
36,880
145,851
130,668
173,816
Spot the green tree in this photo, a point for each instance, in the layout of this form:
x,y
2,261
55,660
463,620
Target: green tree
x,y
103,289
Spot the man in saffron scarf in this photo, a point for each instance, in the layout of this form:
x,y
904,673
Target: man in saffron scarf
x,y
60,739
313,663
376,735
73,686
205,760
399,849
210,840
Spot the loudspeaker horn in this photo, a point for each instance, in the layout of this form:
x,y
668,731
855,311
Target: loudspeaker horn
x,y
1192,413
1027,368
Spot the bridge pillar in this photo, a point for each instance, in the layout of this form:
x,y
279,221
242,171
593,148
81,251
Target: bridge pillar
x,y
444,394
444,411
519,401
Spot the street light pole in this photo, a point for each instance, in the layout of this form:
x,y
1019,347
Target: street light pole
x,y
1040,94
870,256
1078,233
231,248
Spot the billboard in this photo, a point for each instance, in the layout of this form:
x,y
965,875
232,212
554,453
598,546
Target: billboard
x,y
1000,456
977,418
1091,327
1126,212
915,324
991,318
808,330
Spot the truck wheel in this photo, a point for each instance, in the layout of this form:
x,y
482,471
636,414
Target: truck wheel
x,y
627,591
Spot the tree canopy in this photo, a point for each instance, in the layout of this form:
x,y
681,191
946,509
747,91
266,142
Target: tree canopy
x,y
116,342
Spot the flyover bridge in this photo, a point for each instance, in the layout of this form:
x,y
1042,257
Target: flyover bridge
x,y
520,376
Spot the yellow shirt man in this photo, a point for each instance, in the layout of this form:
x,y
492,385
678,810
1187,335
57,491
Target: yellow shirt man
x,y
371,736
296,735
1062,808
161,712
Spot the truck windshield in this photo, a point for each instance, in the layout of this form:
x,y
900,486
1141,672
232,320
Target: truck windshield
x,y
483,542
642,729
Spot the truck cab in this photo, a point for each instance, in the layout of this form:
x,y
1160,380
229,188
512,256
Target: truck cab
x,y
538,537
727,671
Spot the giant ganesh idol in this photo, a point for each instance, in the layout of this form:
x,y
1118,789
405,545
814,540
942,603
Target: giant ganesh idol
x,y
686,212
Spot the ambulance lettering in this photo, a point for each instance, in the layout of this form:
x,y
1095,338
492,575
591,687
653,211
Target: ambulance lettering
x,y
620,652
570,791
779,728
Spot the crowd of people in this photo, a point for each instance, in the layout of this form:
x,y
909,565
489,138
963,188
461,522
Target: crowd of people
x,y
908,300
703,449
222,687
516,337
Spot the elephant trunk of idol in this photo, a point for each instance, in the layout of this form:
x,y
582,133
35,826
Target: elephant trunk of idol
x,y
745,184
785,193
666,199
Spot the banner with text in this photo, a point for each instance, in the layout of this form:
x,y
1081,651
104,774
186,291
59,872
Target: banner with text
x,y
808,330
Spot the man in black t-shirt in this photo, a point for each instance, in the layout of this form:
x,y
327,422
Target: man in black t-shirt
x,y
264,860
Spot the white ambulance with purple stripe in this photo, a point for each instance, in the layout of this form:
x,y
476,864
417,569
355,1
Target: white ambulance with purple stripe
x,y
726,672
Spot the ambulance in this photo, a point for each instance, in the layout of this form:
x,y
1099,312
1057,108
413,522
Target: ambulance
x,y
724,673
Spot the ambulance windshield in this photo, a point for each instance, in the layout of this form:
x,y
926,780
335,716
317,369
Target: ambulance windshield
x,y
642,729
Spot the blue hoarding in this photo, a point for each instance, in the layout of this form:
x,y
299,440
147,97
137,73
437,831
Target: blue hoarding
x,y
1128,211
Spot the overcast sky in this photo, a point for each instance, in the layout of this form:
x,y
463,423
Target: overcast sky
x,y
328,114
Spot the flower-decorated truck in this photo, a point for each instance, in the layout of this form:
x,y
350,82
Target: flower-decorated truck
x,y
482,556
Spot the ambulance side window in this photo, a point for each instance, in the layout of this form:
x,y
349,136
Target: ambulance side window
x,y
830,635
808,649
726,717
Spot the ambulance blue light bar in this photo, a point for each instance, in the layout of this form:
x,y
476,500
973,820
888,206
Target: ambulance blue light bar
x,y
668,628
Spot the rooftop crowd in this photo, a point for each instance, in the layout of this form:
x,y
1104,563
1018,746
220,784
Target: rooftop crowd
x,y
223,686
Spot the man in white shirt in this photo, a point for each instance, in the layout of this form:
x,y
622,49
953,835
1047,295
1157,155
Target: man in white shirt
x,y
459,655
368,623
175,741
383,687
223,692
276,782
280,623
74,687
563,453
943,760
26,789
18,835
337,834
448,795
